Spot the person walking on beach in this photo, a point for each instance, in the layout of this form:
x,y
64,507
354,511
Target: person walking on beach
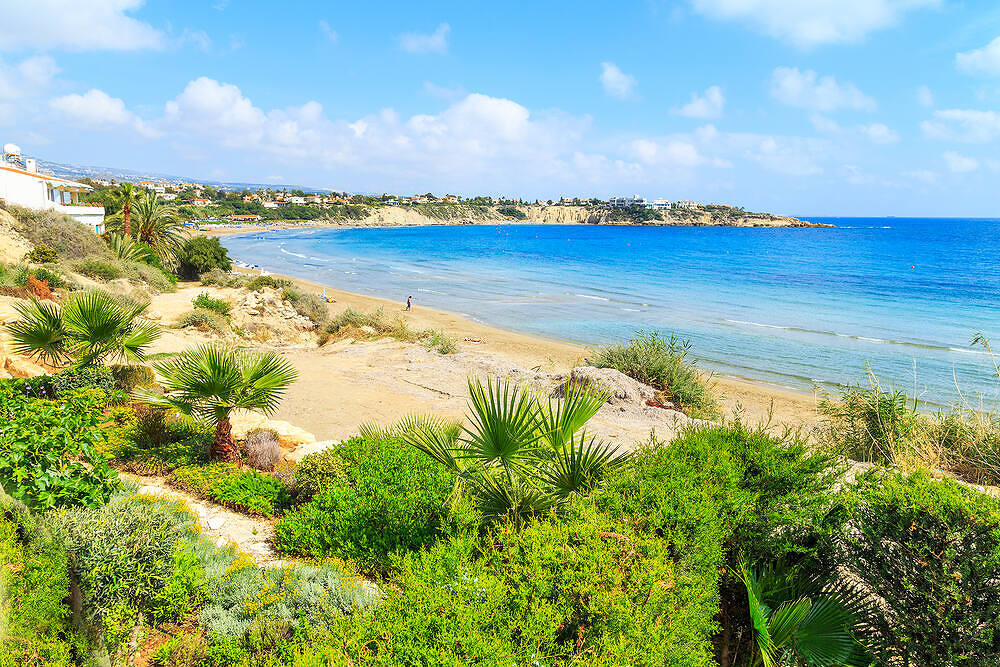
x,y
408,303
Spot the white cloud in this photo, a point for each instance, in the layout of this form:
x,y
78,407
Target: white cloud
x,y
924,176
328,32
985,60
960,164
436,42
708,105
199,38
616,82
809,23
968,125
70,25
878,133
96,110
808,90
925,97
27,78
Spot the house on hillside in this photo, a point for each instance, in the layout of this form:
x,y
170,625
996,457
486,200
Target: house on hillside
x,y
659,205
200,202
23,185
686,203
626,202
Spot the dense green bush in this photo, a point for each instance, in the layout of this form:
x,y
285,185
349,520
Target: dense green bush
x,y
204,320
42,254
123,556
129,377
220,278
52,278
144,441
512,212
201,254
50,451
225,483
260,282
393,501
928,553
662,363
206,302
71,379
318,471
99,269
35,628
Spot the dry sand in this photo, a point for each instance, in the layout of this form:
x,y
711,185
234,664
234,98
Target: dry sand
x,y
347,383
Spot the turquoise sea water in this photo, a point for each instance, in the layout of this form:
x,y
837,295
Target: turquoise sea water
x,y
793,307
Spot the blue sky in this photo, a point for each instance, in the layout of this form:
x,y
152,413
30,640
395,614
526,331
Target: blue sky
x,y
828,107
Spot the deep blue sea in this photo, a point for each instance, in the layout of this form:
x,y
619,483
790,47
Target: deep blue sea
x,y
792,307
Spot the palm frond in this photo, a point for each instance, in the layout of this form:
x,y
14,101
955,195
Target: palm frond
x,y
127,249
561,419
434,438
265,377
498,497
39,332
580,464
760,614
504,423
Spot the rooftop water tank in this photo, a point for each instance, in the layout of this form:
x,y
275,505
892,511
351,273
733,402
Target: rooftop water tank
x,y
12,149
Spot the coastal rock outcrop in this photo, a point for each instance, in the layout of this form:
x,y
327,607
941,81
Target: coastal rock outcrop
x,y
621,389
264,316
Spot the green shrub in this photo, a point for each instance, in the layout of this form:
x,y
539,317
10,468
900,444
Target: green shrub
x,y
35,628
53,279
581,589
99,269
351,322
143,441
260,282
129,377
206,302
434,339
50,451
220,278
320,470
66,236
123,556
662,363
394,500
71,379
201,254
928,553
42,254
155,277
204,320
307,304
225,483
512,212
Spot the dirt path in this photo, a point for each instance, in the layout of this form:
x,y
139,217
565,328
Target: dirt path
x,y
251,535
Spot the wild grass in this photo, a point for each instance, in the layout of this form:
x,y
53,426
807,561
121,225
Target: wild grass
x,y
307,304
885,426
662,363
354,324
69,238
204,320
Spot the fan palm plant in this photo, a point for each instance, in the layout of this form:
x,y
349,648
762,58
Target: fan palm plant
x,y
88,329
126,249
520,454
211,381
799,622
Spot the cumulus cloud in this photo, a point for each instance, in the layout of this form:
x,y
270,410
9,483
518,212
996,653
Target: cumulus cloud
x,y
807,24
982,61
968,125
960,164
75,26
925,97
807,90
707,105
616,82
96,110
878,133
328,32
436,42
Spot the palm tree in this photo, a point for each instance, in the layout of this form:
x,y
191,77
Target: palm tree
x,y
126,249
126,198
801,622
521,454
156,227
211,381
88,329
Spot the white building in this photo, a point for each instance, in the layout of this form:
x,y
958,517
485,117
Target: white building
x,y
626,202
297,200
659,205
22,184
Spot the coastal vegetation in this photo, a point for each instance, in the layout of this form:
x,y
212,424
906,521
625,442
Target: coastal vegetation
x,y
355,325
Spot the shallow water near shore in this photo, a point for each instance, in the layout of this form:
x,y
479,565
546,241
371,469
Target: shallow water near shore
x,y
792,307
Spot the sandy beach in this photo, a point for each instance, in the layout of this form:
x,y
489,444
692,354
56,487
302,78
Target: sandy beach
x,y
346,383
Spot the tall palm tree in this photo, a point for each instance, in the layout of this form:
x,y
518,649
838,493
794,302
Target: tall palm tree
x,y
126,198
89,328
155,226
520,454
211,381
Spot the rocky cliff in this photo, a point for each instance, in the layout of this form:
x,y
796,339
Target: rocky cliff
x,y
453,214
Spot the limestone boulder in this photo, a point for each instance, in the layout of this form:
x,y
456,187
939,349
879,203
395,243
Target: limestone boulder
x,y
621,389
20,367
